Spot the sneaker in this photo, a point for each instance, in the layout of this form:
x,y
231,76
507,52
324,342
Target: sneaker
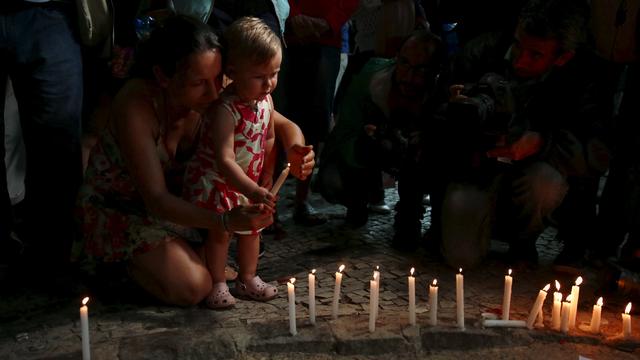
x,y
307,216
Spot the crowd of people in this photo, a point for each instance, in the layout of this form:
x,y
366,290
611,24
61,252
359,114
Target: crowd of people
x,y
507,126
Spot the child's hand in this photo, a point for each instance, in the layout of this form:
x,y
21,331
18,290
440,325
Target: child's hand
x,y
266,180
262,196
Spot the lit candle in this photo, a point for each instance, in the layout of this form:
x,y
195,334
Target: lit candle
x,y
376,274
540,318
373,301
575,296
433,303
537,306
412,298
336,292
566,310
280,180
291,292
626,322
595,316
312,296
506,298
460,299
557,308
84,329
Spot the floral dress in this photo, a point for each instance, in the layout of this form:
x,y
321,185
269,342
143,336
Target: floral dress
x,y
114,220
205,185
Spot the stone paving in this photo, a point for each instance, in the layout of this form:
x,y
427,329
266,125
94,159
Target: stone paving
x,y
128,325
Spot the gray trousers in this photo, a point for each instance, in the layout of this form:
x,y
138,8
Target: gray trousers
x,y
515,203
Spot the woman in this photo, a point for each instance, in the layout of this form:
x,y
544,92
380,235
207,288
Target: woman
x,y
130,204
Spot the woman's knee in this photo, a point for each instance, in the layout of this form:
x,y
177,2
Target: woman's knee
x,y
193,290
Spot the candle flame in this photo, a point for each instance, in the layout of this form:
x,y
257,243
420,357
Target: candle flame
x,y
292,280
627,309
546,288
569,298
600,302
557,285
377,267
85,300
412,270
460,270
288,165
510,271
313,271
341,268
435,282
579,281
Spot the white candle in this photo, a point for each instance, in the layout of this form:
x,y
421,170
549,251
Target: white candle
x,y
506,298
376,274
373,301
566,310
537,306
291,292
336,293
412,298
557,308
312,296
84,329
540,318
626,322
460,299
575,296
433,303
280,180
596,315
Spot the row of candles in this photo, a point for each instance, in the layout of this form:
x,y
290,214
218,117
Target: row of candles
x,y
563,316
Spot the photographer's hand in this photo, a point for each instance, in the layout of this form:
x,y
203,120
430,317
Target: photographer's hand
x,y
527,145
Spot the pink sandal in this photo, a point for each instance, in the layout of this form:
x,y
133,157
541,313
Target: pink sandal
x,y
256,289
220,297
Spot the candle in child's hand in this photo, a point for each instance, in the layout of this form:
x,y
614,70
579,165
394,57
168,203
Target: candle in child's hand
x,y
373,301
506,298
84,329
336,292
557,308
537,306
460,299
433,303
626,322
596,315
566,310
280,180
575,297
291,292
312,296
412,298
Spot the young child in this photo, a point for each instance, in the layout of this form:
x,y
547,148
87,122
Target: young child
x,y
229,167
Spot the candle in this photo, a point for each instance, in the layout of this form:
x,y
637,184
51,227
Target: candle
x,y
506,298
537,306
412,298
312,296
433,303
291,292
336,292
575,296
373,301
460,299
566,310
84,329
540,318
376,274
280,180
595,316
626,322
557,308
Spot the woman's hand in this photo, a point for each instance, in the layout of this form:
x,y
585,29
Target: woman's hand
x,y
301,160
249,217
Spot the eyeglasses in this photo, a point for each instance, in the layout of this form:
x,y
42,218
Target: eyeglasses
x,y
403,64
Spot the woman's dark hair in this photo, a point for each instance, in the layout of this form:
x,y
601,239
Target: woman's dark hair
x,y
170,43
564,20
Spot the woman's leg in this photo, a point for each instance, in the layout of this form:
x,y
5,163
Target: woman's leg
x,y
173,273
248,248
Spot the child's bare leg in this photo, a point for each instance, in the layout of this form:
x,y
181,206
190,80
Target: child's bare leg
x,y
248,249
216,248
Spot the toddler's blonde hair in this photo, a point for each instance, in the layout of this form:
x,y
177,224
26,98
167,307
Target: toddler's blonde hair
x,y
250,39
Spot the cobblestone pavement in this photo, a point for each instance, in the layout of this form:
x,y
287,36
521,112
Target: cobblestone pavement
x,y
128,325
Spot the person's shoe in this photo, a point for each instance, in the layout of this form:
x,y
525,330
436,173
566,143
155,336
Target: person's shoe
x,y
256,289
307,216
220,297
569,261
380,208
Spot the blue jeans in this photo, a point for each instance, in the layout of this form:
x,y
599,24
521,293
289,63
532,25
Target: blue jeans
x,y
40,53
